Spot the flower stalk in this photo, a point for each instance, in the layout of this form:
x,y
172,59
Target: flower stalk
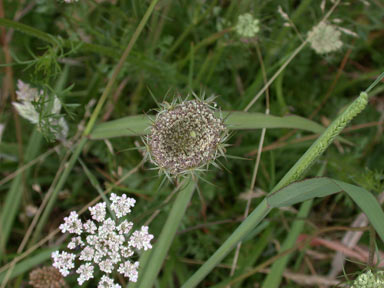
x,y
161,247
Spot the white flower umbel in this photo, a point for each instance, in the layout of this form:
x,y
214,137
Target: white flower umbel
x,y
72,224
63,262
247,26
86,273
75,242
27,96
369,280
103,244
129,270
107,282
121,205
98,212
141,239
325,38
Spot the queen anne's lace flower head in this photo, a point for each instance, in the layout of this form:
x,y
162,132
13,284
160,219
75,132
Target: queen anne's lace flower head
x,y
103,243
186,136
325,38
27,96
369,280
247,26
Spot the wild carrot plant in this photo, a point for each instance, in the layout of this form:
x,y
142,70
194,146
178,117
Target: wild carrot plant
x,y
274,180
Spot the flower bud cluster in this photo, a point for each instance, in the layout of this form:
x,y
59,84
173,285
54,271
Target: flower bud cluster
x,y
369,280
46,277
103,243
247,26
185,137
325,38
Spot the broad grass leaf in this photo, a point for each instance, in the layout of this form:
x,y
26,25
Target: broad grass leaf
x,y
137,125
321,187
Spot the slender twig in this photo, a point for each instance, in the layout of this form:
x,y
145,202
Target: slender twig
x,y
293,55
28,165
157,211
278,144
44,203
258,157
372,246
9,89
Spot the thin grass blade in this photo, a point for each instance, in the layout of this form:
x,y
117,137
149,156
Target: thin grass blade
x,y
29,263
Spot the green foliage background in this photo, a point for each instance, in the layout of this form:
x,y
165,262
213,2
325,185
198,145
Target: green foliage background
x,y
180,50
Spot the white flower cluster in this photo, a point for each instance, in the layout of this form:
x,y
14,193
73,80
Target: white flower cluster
x,y
369,280
26,95
325,38
103,242
247,26
70,1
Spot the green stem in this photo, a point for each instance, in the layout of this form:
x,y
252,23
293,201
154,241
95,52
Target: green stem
x,y
160,250
28,30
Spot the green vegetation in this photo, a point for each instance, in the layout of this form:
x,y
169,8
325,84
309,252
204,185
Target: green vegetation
x,y
303,163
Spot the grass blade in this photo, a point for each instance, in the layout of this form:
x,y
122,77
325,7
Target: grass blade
x,y
367,203
363,198
11,206
321,187
302,191
29,263
168,232
137,125
127,126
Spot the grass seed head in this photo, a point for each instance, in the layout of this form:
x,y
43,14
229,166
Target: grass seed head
x,y
186,136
